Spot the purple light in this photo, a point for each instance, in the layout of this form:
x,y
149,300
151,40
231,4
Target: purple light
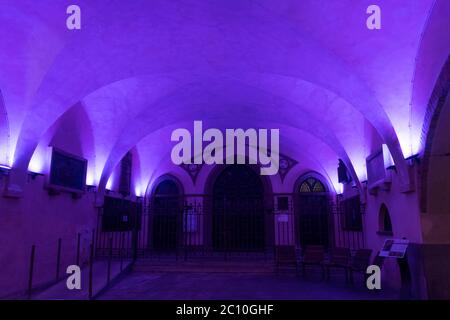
x,y
38,162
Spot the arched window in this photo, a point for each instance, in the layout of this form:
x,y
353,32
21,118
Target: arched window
x,y
311,185
385,224
166,187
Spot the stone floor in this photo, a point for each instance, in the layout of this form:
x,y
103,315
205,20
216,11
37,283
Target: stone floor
x,y
59,290
236,286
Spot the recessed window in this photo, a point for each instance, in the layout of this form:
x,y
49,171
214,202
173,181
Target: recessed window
x,y
385,223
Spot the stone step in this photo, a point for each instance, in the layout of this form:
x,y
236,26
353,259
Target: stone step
x,y
204,266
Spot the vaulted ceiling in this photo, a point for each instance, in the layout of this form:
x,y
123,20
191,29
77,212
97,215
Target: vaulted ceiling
x,y
138,69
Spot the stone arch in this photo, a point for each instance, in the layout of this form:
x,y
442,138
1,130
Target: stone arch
x,y
166,177
434,185
435,107
141,129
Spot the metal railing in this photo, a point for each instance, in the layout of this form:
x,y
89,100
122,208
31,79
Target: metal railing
x,y
41,255
192,226
79,260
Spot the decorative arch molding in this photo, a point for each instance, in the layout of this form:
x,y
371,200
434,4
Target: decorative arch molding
x,y
217,170
285,165
435,106
299,171
162,178
192,169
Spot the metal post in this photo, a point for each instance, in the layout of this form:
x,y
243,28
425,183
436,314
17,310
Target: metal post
x,y
78,248
121,251
91,267
185,230
30,274
225,226
135,234
58,259
93,242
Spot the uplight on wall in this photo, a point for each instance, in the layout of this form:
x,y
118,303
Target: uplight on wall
x,y
387,157
109,184
339,188
37,164
137,190
4,169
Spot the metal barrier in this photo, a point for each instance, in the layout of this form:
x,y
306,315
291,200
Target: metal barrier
x,y
36,251
189,226
193,226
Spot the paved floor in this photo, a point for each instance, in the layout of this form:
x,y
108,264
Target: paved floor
x,y
59,290
235,286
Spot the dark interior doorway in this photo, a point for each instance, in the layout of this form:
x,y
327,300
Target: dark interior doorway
x,y
312,213
238,221
166,216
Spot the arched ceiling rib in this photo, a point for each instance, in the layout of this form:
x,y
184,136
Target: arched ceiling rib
x,y
197,103
432,55
302,58
315,155
320,52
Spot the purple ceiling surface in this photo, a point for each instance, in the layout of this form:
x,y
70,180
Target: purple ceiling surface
x,y
139,69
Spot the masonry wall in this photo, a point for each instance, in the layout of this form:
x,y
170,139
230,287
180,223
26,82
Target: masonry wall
x,y
40,219
405,217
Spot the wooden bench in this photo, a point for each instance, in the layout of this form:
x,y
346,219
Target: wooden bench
x,y
285,256
340,258
360,262
313,255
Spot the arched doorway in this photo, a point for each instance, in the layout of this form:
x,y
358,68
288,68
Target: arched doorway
x,y
166,211
238,219
312,212
434,190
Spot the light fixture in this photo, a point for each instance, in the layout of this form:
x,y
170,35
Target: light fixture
x,y
414,159
90,188
34,174
4,169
